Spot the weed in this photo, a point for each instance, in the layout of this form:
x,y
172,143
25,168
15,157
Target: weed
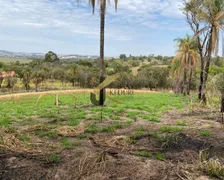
x,y
160,156
117,125
74,122
171,129
128,123
212,167
136,134
5,121
205,133
169,140
66,143
25,138
180,123
108,129
53,158
144,153
92,128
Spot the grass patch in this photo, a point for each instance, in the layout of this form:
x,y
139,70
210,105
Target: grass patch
x,y
144,153
53,158
171,129
205,133
74,122
181,123
160,156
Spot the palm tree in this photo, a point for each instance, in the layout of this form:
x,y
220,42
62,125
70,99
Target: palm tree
x,y
211,13
102,4
186,60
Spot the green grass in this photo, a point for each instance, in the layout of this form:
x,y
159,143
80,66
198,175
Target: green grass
x,y
144,153
160,156
9,60
171,129
181,123
53,158
205,133
45,119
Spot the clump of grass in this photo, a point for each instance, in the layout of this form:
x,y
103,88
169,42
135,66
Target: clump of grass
x,y
154,119
92,128
53,158
205,133
181,123
160,156
169,140
74,122
25,138
117,125
171,129
212,167
44,132
107,129
128,123
137,134
5,121
144,153
66,143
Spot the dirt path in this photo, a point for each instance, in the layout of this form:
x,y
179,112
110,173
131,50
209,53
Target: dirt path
x,y
20,95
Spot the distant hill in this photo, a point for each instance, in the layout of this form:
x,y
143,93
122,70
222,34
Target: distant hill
x,y
19,55
22,55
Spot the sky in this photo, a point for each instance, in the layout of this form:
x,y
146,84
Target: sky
x,y
139,27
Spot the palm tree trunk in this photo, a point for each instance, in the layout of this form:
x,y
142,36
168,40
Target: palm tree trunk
x,y
206,72
184,82
201,76
189,82
102,28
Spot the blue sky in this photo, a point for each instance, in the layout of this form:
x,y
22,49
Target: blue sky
x,y
139,27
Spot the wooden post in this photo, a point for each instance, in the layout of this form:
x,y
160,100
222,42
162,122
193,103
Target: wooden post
x,y
222,105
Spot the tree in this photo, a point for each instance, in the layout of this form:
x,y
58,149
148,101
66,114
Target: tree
x,y
37,77
191,13
123,56
187,56
211,13
102,30
26,78
51,57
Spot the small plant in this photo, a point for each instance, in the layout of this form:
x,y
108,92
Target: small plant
x,y
205,133
117,125
171,129
128,122
154,119
66,143
53,158
92,128
169,140
160,156
181,123
144,153
136,134
25,138
212,167
52,134
108,129
74,122
5,121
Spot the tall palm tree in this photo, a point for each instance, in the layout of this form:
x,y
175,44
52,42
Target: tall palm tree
x,y
102,4
186,60
211,13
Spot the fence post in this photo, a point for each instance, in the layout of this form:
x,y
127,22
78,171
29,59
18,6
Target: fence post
x,y
222,105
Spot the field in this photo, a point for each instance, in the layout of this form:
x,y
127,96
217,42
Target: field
x,y
142,136
9,60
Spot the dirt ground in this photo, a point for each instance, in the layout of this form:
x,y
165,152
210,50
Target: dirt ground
x,y
109,156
